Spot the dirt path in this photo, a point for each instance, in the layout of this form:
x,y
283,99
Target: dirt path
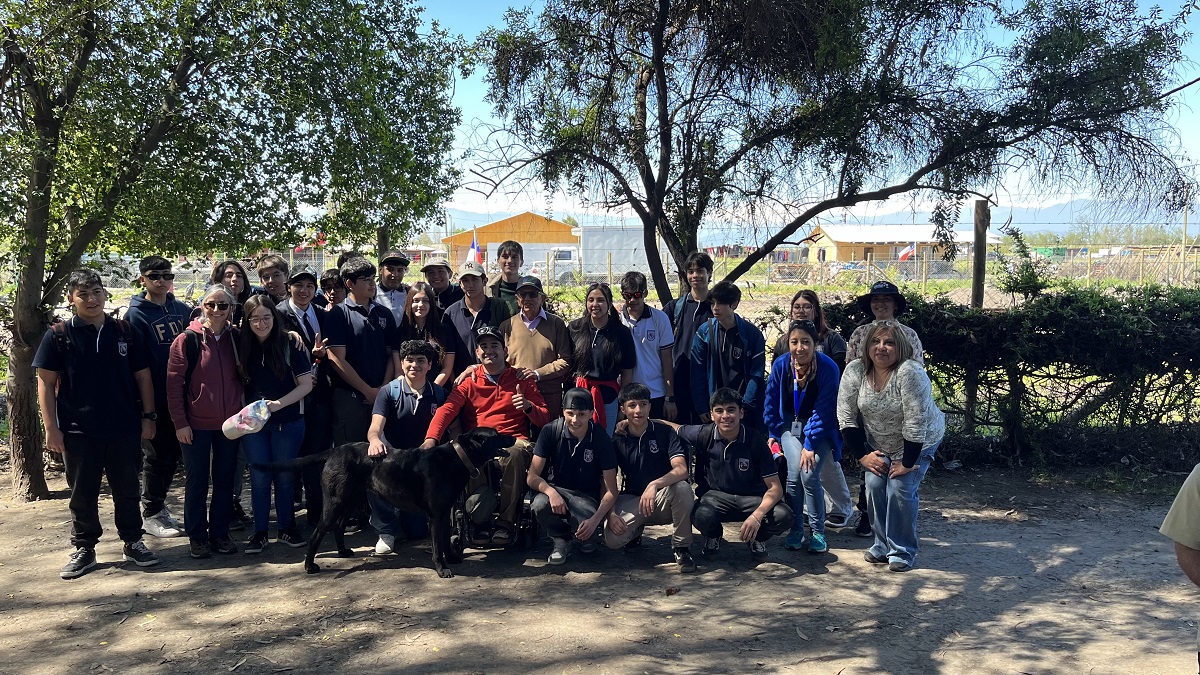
x,y
1012,578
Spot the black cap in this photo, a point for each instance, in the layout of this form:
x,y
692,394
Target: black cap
x,y
882,288
804,325
488,331
578,398
530,282
302,273
394,256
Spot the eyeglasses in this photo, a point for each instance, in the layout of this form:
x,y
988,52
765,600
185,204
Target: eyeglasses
x,y
218,306
259,320
804,308
633,296
155,276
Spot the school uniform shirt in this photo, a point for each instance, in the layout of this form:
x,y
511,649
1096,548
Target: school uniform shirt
x,y
367,333
462,324
686,320
603,367
573,464
647,457
451,295
408,413
729,365
393,299
651,335
265,384
735,467
97,393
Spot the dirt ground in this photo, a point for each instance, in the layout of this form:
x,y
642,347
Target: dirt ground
x,y
1013,577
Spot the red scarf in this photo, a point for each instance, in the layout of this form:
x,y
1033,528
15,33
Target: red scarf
x,y
593,387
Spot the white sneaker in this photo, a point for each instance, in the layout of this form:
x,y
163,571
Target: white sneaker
x,y
386,544
160,525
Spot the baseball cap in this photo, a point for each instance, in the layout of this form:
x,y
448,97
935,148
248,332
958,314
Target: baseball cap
x,y
488,331
437,262
529,282
302,273
394,256
471,268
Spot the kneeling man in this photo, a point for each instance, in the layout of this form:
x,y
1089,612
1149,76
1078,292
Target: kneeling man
x,y
654,467
583,473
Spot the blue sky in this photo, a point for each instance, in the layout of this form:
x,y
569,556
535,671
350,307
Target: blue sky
x,y
470,17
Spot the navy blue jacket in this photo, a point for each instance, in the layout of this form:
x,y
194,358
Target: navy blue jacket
x,y
158,325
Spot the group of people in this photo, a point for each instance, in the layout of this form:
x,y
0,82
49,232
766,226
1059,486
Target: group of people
x,y
624,417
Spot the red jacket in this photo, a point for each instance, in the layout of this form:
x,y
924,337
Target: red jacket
x,y
491,405
215,391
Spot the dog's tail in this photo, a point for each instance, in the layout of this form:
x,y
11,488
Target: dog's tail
x,y
293,463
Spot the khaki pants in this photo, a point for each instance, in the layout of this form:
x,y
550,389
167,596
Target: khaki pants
x,y
672,506
512,481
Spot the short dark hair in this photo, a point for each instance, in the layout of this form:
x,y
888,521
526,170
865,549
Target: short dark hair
x,y
153,263
634,391
81,279
347,256
510,247
698,259
726,293
355,269
330,279
633,282
419,348
724,396
272,262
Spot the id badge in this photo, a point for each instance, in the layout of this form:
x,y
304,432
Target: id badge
x,y
798,429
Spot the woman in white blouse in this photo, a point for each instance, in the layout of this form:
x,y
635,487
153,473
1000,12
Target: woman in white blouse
x,y
902,428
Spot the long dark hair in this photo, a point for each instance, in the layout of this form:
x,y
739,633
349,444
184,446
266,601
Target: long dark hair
x,y
818,313
584,333
273,350
218,277
433,330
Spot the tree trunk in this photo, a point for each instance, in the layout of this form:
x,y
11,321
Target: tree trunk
x,y
25,441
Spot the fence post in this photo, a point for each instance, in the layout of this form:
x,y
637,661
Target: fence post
x,y
983,220
549,273
925,273
1141,267
1089,266
610,268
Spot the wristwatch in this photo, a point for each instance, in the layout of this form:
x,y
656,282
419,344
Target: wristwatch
x,y
152,416
668,399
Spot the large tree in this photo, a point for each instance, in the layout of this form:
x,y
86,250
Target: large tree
x,y
205,125
779,112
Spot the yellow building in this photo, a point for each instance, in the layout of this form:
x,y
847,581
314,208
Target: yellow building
x,y
526,228
848,243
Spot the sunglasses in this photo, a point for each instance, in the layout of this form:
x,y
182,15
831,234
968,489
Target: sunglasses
x,y
219,306
633,296
156,276
529,295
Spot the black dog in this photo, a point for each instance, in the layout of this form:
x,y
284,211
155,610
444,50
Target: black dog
x,y
419,481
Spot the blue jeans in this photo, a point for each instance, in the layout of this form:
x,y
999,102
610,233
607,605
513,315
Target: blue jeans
x,y
892,503
803,491
210,454
387,519
275,443
610,417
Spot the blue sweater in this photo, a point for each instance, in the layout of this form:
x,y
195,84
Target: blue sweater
x,y
823,423
704,369
159,326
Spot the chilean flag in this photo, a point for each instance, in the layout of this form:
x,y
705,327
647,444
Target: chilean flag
x,y
474,254
909,252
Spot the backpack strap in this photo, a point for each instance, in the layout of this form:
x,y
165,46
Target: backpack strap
x,y
62,341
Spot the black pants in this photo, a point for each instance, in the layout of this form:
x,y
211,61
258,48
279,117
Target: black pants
x,y
580,507
318,437
351,417
716,507
87,460
160,460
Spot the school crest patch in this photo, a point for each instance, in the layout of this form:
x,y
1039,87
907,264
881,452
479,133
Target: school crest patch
x,y
587,455
737,352
653,445
122,347
743,464
381,321
650,336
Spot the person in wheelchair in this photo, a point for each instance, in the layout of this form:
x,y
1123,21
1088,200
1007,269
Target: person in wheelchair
x,y
577,457
494,396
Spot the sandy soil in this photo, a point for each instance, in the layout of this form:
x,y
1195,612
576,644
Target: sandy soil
x,y
1012,578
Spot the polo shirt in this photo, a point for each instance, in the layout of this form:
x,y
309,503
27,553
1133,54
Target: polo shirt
x,y
97,393
577,465
691,317
647,457
265,384
651,334
451,295
730,354
393,299
459,321
736,467
367,333
605,367
408,414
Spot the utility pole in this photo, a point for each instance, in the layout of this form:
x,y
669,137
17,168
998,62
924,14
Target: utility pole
x,y
983,220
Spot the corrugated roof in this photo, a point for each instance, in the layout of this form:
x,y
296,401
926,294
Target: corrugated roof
x,y
894,234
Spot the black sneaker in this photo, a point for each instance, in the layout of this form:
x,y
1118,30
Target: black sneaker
x,y
200,549
873,560
138,554
224,545
239,520
82,560
257,543
863,528
683,558
292,537
899,566
634,543
712,545
758,551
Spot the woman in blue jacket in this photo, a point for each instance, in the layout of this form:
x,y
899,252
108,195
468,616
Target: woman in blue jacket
x,y
801,416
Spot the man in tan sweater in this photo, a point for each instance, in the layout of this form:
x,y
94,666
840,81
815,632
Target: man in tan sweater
x,y
539,344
